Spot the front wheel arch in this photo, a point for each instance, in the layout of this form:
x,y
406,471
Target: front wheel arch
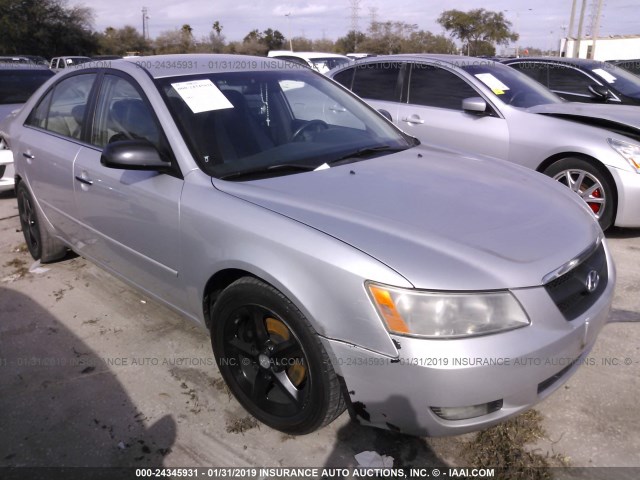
x,y
244,356
601,169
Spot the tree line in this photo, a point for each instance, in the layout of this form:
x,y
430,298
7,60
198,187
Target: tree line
x,y
49,28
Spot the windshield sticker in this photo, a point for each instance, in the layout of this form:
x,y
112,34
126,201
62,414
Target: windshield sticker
x,y
492,82
202,96
604,74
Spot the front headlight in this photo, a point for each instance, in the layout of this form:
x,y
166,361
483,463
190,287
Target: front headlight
x,y
446,315
629,151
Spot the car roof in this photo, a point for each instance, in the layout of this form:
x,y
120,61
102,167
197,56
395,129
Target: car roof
x,y
161,66
440,57
580,62
305,55
452,60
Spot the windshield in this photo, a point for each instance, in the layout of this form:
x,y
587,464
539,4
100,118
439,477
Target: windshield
x,y
275,122
510,86
625,82
323,65
16,86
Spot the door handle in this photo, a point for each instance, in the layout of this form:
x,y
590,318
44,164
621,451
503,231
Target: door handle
x,y
86,181
28,155
413,119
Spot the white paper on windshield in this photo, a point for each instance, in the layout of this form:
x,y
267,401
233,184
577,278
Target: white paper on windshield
x,y
202,95
492,82
324,166
291,84
604,74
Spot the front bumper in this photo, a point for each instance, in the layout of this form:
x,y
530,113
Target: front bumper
x,y
628,186
518,368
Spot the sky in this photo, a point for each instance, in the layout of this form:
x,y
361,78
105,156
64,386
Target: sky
x,y
540,24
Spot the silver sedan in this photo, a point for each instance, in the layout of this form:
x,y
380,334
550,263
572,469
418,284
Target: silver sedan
x,y
336,262
483,107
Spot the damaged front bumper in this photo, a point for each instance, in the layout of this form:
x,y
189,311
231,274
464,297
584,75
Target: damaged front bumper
x,y
449,387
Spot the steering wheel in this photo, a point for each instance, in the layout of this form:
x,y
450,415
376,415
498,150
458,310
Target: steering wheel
x,y
316,125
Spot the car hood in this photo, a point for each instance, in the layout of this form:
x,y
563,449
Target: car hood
x,y
441,220
621,118
6,110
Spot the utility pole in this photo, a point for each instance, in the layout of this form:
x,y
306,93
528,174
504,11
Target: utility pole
x,y
595,29
288,15
576,44
145,23
355,17
571,19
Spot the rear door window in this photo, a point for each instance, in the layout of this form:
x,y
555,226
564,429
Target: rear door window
x,y
378,81
62,110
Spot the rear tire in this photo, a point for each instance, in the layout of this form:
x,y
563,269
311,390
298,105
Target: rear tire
x,y
590,183
272,359
41,244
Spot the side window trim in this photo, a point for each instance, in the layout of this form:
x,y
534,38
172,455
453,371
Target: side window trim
x,y
50,93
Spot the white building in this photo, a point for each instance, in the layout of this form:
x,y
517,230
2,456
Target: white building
x,y
615,47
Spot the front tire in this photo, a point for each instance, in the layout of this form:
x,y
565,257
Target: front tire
x,y
590,183
42,246
272,359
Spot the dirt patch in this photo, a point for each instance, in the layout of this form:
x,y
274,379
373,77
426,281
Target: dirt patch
x,y
504,447
241,425
19,265
22,248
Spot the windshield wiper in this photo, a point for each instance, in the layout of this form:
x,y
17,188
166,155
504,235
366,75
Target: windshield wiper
x,y
363,152
270,168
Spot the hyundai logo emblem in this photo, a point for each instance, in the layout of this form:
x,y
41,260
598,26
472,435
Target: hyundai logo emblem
x,y
592,281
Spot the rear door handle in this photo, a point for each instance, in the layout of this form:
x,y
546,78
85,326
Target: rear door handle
x,y
86,181
28,155
413,119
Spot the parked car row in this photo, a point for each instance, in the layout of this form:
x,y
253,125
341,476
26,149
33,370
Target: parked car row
x,y
337,261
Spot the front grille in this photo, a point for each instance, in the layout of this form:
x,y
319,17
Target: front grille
x,y
570,293
2,169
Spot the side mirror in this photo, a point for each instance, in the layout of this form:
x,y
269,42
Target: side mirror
x,y
133,155
386,114
474,105
600,92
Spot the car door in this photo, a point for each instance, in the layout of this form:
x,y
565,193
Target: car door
x,y
433,113
53,134
130,217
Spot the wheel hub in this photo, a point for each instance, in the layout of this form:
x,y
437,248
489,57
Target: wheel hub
x,y
587,186
264,361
